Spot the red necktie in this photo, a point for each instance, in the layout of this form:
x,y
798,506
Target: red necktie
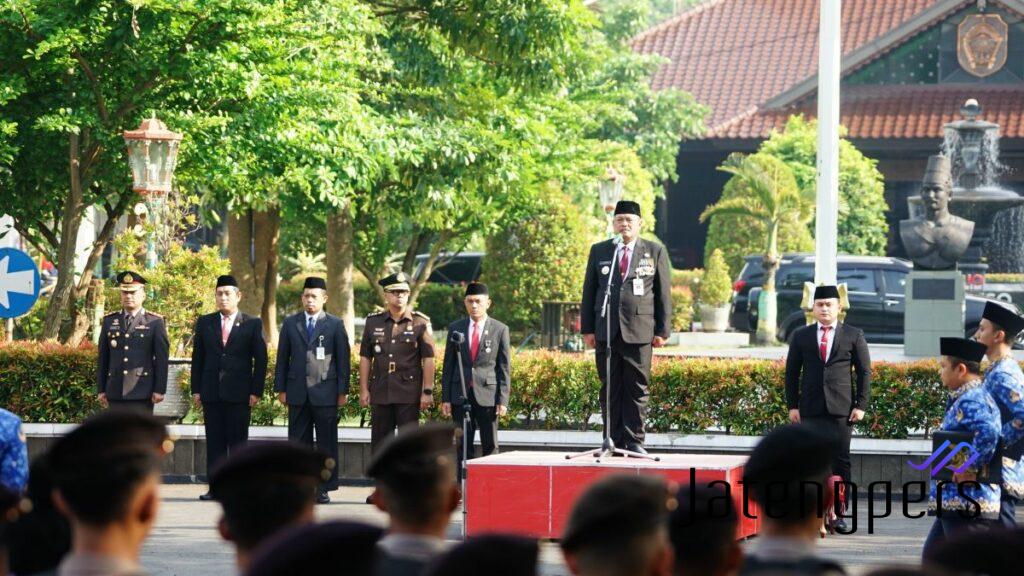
x,y
224,323
474,342
624,262
823,347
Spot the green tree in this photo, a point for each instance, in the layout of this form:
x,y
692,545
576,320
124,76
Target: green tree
x,y
862,228
768,195
534,258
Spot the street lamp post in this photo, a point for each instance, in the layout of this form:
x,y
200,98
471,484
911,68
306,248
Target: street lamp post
x,y
610,190
152,156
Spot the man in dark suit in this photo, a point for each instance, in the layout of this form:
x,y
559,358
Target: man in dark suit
x,y
485,369
229,366
640,308
133,351
312,375
823,359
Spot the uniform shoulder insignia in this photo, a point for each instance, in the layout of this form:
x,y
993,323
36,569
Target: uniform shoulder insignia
x,y
375,313
155,314
421,315
111,314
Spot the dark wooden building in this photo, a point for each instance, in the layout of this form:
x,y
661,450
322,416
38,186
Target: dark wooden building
x,y
907,68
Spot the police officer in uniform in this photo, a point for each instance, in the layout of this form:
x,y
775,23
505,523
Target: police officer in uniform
x,y
229,368
641,310
312,375
396,362
133,351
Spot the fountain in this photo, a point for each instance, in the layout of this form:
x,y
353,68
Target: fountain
x,y
973,147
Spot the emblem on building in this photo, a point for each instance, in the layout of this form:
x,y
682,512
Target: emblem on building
x,y
981,44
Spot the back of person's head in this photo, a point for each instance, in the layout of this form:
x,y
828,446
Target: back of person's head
x,y
41,537
332,547
618,527
491,554
100,467
265,487
414,473
995,552
907,571
786,473
703,531
9,511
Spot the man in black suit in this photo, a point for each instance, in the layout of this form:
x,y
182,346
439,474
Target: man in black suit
x,y
485,369
823,358
312,375
641,307
133,351
229,366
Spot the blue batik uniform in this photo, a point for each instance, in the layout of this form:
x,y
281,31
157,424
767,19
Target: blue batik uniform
x,y
971,410
13,453
1005,382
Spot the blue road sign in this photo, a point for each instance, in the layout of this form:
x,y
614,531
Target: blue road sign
x,y
19,283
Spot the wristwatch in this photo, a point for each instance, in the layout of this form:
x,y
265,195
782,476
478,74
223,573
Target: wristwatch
x,y
428,391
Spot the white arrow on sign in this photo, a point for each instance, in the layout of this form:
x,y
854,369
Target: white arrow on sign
x,y
17,282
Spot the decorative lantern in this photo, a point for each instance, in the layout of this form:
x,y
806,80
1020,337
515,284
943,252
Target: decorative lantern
x,y
152,155
610,189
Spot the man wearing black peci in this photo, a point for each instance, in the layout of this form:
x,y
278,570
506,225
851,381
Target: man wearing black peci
x,y
486,371
640,306
821,392
229,367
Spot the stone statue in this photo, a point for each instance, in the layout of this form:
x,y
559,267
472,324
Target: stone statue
x,y
937,241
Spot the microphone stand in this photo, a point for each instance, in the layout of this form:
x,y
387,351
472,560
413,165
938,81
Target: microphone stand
x,y
608,448
459,338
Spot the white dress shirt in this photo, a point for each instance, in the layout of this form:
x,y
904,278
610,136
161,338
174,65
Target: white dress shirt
x,y
831,338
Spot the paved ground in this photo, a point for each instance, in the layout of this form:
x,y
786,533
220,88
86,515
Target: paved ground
x,y
186,543
879,352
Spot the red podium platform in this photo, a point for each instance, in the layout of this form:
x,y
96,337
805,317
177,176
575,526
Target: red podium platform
x,y
531,493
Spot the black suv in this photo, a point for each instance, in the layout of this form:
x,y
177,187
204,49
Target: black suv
x,y
875,289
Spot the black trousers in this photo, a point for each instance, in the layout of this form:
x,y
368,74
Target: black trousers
x,y
227,426
386,418
483,418
630,375
839,428
140,405
303,420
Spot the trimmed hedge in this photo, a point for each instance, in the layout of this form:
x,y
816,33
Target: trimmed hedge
x,y
551,390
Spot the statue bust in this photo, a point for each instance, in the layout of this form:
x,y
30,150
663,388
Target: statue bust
x,y
938,240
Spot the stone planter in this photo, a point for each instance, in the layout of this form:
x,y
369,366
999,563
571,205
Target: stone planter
x,y
176,402
714,318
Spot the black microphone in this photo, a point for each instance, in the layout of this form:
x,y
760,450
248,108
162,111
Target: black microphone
x,y
457,337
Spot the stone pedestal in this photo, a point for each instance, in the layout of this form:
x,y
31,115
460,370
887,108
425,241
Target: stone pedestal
x,y
934,308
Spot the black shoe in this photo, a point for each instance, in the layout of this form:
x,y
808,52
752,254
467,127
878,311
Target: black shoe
x,y
322,497
369,499
636,448
206,497
840,526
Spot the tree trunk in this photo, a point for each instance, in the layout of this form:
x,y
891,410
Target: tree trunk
x,y
267,227
240,255
71,219
341,301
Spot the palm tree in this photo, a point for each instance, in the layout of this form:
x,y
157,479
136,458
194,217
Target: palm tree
x,y
768,197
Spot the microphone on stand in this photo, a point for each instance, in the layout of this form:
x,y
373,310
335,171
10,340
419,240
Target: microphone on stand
x,y
457,337
617,239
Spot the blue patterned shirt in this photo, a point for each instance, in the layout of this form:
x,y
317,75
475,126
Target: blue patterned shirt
x,y
1005,382
13,453
973,411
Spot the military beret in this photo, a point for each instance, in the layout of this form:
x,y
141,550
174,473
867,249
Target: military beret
x,y
107,438
269,462
311,548
414,451
790,453
394,282
314,282
627,207
227,280
491,554
476,288
130,281
617,508
1011,323
962,348
827,291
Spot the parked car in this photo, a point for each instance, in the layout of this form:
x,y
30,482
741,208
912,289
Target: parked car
x,y
452,268
875,289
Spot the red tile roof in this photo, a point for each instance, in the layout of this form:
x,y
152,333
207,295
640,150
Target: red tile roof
x,y
895,111
735,55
